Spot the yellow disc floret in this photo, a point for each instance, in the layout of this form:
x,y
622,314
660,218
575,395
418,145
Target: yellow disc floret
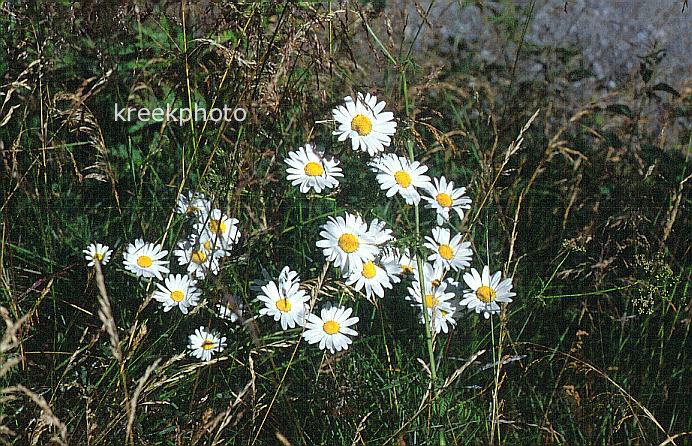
x,y
283,305
348,243
486,294
431,301
144,261
208,344
444,200
177,296
362,125
198,257
369,270
446,252
313,169
217,226
402,178
331,327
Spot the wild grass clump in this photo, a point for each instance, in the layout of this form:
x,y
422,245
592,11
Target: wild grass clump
x,y
581,206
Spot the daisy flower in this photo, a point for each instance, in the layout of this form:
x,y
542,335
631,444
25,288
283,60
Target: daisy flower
x,y
371,276
433,273
398,174
407,263
144,259
331,328
230,309
312,170
345,241
363,121
203,343
437,302
442,321
389,261
192,203
97,251
197,259
178,291
486,291
378,233
444,197
287,278
286,305
217,228
376,163
448,253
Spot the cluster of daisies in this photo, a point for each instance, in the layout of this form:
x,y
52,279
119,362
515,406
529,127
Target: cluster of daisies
x,y
211,238
366,253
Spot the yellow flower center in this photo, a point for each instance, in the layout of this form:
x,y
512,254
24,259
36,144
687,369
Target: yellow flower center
x,y
431,301
144,261
486,294
313,169
207,245
208,344
406,269
369,270
98,256
402,178
445,252
217,227
283,305
444,200
361,124
198,257
177,296
348,243
330,327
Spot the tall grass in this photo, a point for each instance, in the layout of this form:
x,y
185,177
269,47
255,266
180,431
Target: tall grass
x,y
585,209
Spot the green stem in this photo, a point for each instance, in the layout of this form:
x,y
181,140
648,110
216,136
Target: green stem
x,y
426,318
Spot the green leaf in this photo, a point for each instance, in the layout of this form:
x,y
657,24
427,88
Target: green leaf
x,y
620,109
667,88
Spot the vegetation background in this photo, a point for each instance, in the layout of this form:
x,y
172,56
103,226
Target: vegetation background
x,y
591,217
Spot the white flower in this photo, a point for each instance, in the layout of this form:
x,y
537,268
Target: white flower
x,y
97,251
179,291
363,121
443,197
331,328
197,259
217,228
346,242
448,253
287,278
407,263
378,233
378,162
440,321
144,259
309,168
226,312
437,302
433,273
398,174
389,261
486,291
203,343
192,203
371,276
285,303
